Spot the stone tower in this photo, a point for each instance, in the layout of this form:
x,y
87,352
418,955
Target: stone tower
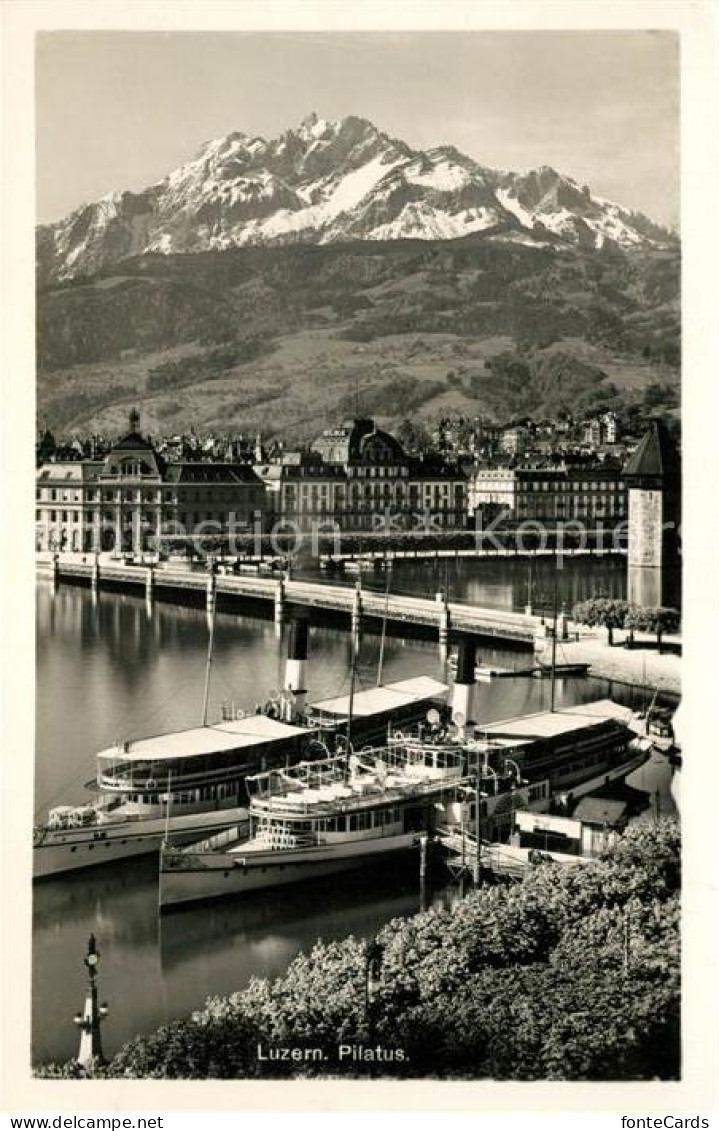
x,y
653,476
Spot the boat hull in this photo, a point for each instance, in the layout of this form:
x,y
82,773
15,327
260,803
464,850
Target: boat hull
x,y
70,850
217,875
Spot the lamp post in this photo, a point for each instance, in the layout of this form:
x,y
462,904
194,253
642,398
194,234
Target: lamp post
x,y
88,1022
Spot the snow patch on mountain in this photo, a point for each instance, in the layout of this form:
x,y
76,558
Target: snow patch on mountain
x,y
331,180
443,177
509,201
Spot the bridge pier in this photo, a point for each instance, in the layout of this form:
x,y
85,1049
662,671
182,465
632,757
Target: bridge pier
x,y
357,610
444,623
279,601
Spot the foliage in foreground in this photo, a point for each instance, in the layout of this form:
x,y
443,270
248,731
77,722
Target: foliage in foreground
x,y
571,974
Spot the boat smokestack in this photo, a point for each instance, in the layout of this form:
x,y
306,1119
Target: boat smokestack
x,y
464,683
295,669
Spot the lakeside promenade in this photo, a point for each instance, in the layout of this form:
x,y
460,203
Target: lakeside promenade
x,y
639,666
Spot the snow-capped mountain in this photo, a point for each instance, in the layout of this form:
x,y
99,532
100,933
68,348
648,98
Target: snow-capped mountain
x,y
330,181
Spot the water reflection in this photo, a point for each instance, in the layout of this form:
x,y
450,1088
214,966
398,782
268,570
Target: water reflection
x,y
509,583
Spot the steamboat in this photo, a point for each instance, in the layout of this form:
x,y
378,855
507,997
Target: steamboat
x,y
188,784
357,808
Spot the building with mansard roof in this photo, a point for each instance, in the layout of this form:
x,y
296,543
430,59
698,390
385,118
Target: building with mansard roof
x,y
359,478
133,496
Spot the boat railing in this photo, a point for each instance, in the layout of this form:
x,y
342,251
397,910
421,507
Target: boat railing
x,y
275,837
298,803
160,781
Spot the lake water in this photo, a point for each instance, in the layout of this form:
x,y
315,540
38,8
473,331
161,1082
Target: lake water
x,y
110,667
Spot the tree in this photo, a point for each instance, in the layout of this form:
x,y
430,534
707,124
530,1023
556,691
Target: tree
x,y
608,612
413,436
569,974
658,620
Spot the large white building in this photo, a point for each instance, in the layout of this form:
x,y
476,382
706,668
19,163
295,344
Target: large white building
x,y
126,500
550,495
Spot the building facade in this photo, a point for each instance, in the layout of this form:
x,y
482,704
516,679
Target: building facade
x,y
365,481
591,495
133,497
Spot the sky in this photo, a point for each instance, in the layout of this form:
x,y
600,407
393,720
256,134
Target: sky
x,y
122,109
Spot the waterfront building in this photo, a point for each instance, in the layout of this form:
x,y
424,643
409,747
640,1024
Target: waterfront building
x,y
366,481
126,500
653,474
551,494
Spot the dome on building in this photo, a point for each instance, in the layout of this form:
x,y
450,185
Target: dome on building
x,y
358,441
134,441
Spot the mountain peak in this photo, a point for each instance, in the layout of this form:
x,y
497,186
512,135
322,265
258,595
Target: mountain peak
x,y
328,180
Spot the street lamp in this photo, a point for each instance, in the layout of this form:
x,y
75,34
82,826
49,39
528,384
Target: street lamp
x,y
88,1022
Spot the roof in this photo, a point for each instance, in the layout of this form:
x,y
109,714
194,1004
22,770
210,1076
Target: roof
x,y
600,811
656,457
236,734
211,473
354,441
70,470
391,697
132,442
549,724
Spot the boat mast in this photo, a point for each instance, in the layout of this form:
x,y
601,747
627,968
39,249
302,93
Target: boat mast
x,y
208,663
167,807
353,667
384,624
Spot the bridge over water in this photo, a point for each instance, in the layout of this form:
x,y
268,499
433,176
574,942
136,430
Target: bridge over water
x,y
348,601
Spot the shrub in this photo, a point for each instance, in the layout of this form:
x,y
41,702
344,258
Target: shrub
x,y
570,974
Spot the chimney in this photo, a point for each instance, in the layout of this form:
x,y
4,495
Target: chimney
x,y
295,678
464,684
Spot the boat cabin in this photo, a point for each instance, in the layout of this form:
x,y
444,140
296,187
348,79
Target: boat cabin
x,y
378,793
562,746
378,710
199,768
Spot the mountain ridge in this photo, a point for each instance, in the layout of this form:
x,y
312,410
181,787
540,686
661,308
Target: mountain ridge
x,y
333,181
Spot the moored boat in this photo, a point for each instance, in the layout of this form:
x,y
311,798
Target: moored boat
x,y
189,784
325,817
316,819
